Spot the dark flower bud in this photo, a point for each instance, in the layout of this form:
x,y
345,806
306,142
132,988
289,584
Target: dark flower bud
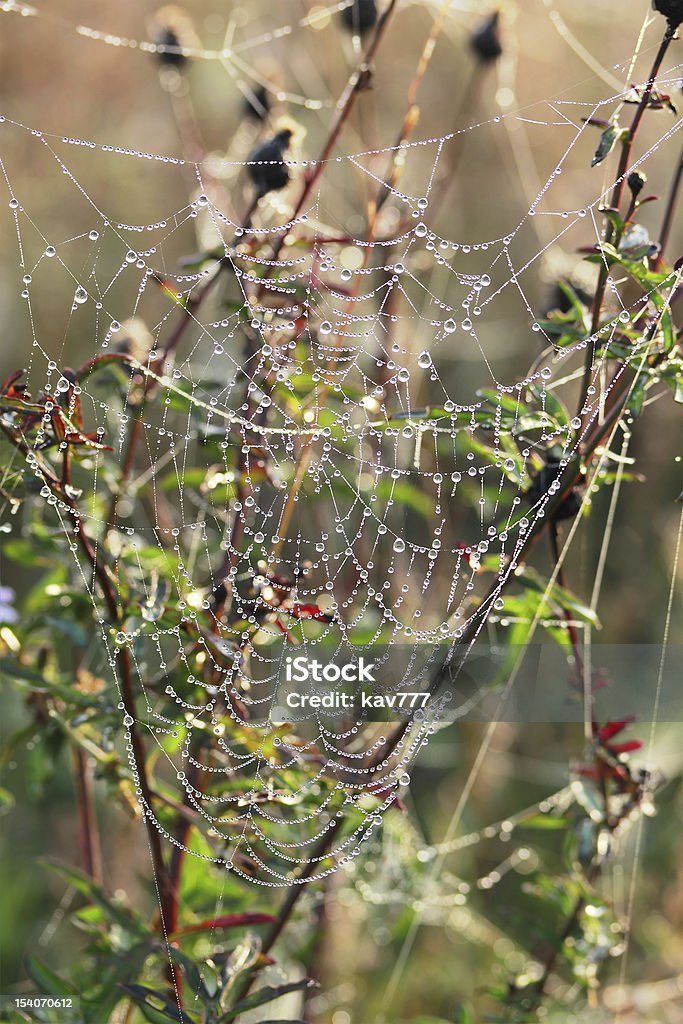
x,y
266,166
172,31
544,479
256,103
485,40
671,9
636,181
359,16
171,57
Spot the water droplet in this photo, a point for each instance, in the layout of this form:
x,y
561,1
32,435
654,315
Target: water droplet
x,y
326,327
80,295
424,360
93,236
450,326
421,230
114,326
399,545
14,204
50,251
509,465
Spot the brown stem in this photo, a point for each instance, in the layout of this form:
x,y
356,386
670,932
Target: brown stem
x,y
190,310
571,628
123,661
569,479
139,763
671,204
178,854
626,149
294,894
539,986
355,86
89,837
412,114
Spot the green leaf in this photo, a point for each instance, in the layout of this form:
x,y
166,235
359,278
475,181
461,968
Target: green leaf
x,y
614,218
47,981
557,595
612,134
159,1012
190,971
117,913
553,406
545,822
265,995
6,799
439,1020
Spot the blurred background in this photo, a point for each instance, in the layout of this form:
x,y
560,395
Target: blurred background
x,y
517,120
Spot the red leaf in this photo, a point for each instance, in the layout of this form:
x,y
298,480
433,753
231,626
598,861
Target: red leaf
x,y
310,611
610,729
624,748
226,921
466,551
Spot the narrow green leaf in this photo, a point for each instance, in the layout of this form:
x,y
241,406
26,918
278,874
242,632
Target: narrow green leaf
x,y
156,1014
264,995
47,981
545,822
612,134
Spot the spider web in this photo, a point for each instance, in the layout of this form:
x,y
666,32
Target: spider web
x,y
309,474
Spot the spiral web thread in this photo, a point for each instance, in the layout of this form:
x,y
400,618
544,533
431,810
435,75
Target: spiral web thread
x,y
336,363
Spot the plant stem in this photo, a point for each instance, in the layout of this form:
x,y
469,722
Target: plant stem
x,y
354,87
139,760
190,310
89,839
626,149
294,894
571,628
671,204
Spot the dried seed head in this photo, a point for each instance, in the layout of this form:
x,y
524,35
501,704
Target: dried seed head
x,y
671,9
256,103
266,166
171,30
167,38
359,16
636,181
485,40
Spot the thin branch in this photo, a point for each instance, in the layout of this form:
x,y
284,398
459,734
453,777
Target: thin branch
x,y
88,833
626,149
672,202
294,894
